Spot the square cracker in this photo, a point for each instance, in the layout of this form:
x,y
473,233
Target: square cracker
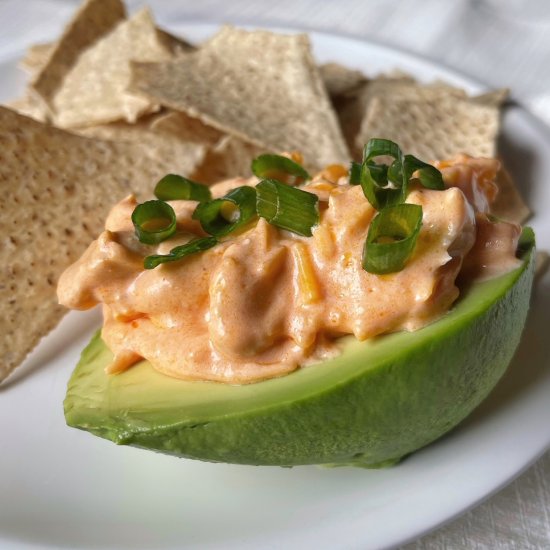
x,y
55,191
261,87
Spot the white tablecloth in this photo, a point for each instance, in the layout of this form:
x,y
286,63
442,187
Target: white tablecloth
x,y
503,43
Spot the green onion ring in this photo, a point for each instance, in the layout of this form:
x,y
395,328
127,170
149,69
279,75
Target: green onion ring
x,y
173,187
211,214
391,238
429,176
287,207
180,252
382,185
154,213
279,168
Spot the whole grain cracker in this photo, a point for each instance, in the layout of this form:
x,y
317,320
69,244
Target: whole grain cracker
x,y
36,57
183,152
94,91
175,44
185,128
55,191
94,19
29,106
229,158
261,87
433,129
340,80
353,107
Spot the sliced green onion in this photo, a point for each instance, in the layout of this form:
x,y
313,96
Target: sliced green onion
x,y
391,238
279,168
377,147
222,216
355,173
379,196
385,185
180,252
154,221
287,207
173,187
428,175
382,185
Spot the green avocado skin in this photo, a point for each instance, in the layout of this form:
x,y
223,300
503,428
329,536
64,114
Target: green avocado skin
x,y
372,405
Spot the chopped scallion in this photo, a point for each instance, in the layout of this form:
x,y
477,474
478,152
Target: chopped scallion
x,y
154,221
391,238
180,252
287,207
173,187
386,185
279,168
222,216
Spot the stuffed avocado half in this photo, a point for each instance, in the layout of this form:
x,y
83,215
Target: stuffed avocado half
x,y
378,401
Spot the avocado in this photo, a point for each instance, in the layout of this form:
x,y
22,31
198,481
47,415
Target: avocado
x,y
375,403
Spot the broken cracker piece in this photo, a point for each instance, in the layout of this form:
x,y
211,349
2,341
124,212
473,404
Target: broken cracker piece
x,y
183,152
94,90
340,80
93,20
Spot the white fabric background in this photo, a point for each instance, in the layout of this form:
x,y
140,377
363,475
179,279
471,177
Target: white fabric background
x,y
503,43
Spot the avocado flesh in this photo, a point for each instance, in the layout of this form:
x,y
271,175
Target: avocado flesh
x,y
375,403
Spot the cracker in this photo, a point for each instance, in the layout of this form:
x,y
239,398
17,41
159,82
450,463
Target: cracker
x,y
94,19
183,152
431,129
175,44
227,156
509,204
352,105
36,57
261,87
231,157
55,191
183,127
29,106
94,91
340,80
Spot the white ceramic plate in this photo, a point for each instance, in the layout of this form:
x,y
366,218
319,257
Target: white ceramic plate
x,y
60,487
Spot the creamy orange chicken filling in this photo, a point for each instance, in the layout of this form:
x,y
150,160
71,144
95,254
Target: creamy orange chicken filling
x,y
262,303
